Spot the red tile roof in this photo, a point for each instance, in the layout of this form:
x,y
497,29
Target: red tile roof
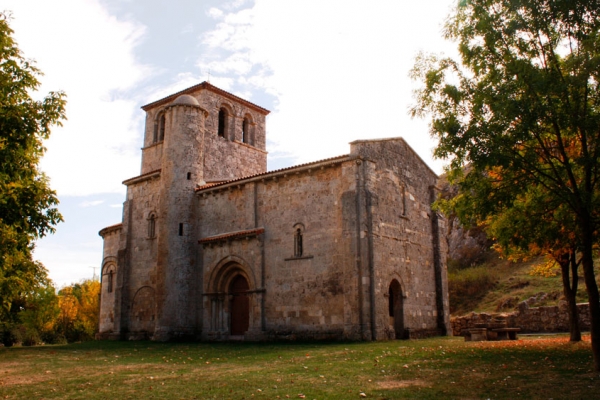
x,y
208,86
206,186
326,161
146,175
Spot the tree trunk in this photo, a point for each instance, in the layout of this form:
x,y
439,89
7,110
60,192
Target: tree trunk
x,y
569,262
587,262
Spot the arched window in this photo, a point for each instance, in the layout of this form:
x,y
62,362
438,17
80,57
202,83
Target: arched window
x,y
222,122
299,250
298,243
161,127
245,131
108,277
152,226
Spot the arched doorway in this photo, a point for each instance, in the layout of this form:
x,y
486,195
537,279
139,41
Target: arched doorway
x,y
143,311
239,306
396,308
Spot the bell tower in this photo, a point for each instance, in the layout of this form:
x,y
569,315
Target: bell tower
x,y
198,136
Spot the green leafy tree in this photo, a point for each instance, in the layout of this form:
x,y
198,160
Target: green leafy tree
x,y
39,316
522,105
535,225
27,204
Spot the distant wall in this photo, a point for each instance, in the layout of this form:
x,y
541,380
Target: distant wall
x,y
530,320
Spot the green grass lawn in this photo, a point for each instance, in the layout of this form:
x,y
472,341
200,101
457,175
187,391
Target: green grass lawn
x,y
540,367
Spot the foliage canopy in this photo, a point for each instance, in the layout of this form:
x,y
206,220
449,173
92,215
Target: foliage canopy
x,y
519,117
27,204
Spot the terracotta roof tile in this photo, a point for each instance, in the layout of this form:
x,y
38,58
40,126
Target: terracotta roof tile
x,y
208,185
130,180
208,86
326,161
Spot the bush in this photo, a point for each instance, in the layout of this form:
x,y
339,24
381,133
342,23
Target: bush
x,y
30,337
467,286
54,338
9,336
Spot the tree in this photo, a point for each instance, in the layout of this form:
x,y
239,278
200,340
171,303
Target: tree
x,y
27,204
79,307
535,225
522,110
38,316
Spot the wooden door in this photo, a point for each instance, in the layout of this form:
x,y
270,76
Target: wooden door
x,y
239,306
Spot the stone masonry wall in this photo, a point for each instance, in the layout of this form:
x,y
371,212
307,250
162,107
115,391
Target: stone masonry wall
x,y
177,242
401,184
530,320
111,236
152,157
224,157
308,296
313,296
144,198
327,292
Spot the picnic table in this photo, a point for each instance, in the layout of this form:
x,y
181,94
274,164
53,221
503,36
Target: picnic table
x,y
493,330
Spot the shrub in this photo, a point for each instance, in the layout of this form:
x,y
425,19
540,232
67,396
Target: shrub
x,y
467,286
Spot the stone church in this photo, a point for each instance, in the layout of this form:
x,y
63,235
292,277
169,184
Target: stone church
x,y
214,247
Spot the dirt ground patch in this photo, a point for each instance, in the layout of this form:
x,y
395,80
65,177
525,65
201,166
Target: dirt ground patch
x,y
401,384
10,378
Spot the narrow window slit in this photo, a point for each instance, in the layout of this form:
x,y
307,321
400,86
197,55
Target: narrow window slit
x,y
110,282
161,128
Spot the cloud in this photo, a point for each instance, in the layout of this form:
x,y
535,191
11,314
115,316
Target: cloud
x,y
189,28
338,69
91,203
89,54
215,13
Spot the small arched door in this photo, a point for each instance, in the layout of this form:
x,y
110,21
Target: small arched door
x,y
143,311
239,306
396,308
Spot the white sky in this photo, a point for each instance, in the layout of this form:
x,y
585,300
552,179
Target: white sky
x,y
331,71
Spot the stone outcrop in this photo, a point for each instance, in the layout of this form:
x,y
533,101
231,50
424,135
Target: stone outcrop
x,y
466,246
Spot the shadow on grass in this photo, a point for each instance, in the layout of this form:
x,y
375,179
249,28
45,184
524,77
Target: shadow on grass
x,y
534,367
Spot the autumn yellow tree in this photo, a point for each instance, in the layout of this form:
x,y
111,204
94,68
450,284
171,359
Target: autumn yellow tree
x,y
79,307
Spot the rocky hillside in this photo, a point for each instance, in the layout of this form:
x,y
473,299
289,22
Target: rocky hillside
x,y
480,281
